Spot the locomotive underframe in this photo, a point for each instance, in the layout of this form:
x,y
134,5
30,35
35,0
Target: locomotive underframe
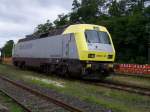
x,y
67,67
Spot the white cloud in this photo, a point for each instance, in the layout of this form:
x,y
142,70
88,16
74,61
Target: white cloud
x,y
20,17
147,3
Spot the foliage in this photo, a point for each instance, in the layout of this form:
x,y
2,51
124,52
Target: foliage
x,y
130,38
44,28
7,49
114,9
61,20
75,5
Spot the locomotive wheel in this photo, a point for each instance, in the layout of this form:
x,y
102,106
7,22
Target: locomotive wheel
x,y
63,71
84,72
15,63
46,68
52,68
22,65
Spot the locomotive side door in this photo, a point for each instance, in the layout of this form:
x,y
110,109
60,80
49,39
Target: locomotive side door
x,y
65,46
69,47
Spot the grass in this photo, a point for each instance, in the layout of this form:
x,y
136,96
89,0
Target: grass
x,y
13,107
142,82
118,101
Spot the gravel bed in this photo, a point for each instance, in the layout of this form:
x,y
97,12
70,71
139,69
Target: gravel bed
x,y
3,108
29,100
74,101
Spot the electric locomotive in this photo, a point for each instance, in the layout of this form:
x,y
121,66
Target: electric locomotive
x,y
81,50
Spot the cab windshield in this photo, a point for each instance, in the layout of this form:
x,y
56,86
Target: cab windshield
x,y
93,36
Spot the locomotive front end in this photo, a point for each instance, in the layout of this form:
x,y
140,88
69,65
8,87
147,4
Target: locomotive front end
x,y
95,49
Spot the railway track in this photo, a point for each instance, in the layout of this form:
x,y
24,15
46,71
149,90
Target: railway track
x,y
133,75
15,100
32,100
124,87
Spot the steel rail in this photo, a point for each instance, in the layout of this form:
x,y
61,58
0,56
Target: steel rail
x,y
15,100
125,87
46,97
133,75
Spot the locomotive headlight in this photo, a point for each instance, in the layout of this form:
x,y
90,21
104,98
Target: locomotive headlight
x,y
88,66
110,65
91,55
110,56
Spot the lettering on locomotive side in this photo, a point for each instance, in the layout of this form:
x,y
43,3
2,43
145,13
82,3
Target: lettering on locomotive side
x,y
26,46
100,56
55,55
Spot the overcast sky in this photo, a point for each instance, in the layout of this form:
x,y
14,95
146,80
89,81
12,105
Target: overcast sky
x,y
20,17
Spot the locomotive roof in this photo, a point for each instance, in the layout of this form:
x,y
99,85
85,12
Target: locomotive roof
x,y
62,30
82,27
52,32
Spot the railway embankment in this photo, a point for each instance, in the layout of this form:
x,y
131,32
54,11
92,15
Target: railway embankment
x,y
75,90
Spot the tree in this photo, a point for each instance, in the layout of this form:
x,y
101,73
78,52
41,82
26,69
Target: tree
x,y
7,49
61,20
74,16
138,7
76,5
114,9
88,11
43,28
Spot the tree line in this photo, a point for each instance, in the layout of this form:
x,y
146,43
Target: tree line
x,y
128,21
6,51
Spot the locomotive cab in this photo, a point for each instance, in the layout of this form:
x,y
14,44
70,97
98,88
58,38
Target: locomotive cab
x,y
95,48
93,42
